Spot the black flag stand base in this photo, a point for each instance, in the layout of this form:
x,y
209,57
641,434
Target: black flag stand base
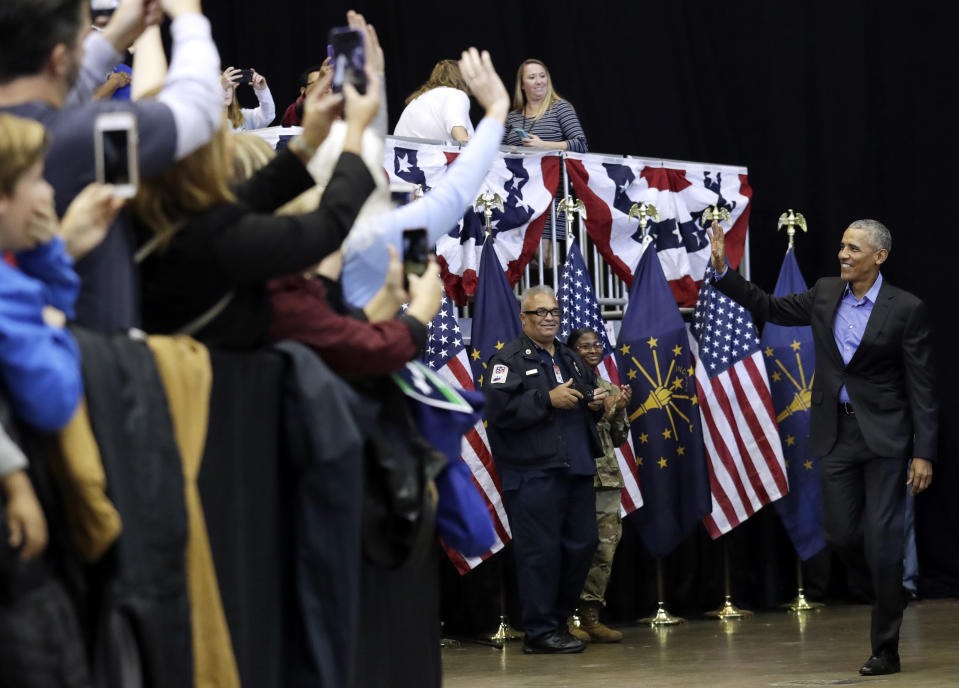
x,y
728,610
801,604
661,617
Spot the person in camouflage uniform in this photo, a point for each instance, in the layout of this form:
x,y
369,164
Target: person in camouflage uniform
x,y
613,430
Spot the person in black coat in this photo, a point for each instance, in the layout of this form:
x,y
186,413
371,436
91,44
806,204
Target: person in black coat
x,y
542,409
207,251
873,407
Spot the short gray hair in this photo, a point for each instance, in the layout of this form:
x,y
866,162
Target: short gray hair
x,y
533,291
879,235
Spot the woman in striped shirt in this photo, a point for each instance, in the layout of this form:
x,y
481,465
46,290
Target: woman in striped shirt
x,y
540,118
549,121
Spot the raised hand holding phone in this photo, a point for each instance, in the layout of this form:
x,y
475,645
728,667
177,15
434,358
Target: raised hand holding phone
x,y
349,58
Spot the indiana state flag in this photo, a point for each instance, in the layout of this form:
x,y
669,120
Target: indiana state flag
x,y
655,360
496,315
791,364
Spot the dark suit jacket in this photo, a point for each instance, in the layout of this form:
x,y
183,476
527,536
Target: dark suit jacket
x,y
889,378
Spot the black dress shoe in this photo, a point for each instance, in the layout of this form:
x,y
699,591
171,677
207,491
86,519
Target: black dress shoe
x,y
558,642
878,665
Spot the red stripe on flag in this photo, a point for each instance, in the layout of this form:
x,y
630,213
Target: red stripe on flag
x,y
599,220
460,372
458,560
745,404
534,231
719,445
766,427
736,237
719,394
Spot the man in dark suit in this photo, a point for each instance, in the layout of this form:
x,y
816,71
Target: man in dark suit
x,y
542,430
873,407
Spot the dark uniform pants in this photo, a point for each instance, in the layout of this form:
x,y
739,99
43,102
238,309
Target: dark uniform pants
x,y
864,499
553,522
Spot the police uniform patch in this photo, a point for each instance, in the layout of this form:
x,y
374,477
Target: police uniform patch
x,y
499,374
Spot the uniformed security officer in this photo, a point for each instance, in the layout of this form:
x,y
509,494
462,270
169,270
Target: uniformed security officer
x,y
542,430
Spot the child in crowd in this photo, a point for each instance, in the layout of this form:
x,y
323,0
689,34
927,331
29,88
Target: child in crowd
x,y
39,360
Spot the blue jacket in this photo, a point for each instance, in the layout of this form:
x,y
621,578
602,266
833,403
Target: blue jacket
x,y
522,425
39,364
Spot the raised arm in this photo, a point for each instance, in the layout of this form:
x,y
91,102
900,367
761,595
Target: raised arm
x,y
365,253
192,87
102,51
263,115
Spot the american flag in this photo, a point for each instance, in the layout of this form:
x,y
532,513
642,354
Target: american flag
x,y
746,464
580,309
446,354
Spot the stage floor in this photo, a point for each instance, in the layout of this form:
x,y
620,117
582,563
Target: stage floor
x,y
781,649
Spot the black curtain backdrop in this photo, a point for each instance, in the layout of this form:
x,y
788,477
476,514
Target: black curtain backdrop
x,y
840,110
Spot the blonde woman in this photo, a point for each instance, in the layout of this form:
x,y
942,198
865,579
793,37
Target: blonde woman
x,y
549,121
440,108
542,119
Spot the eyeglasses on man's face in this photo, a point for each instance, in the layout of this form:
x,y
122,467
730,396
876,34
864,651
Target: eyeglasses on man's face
x,y
590,347
543,312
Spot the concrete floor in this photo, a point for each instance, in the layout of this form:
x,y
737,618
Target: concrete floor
x,y
781,649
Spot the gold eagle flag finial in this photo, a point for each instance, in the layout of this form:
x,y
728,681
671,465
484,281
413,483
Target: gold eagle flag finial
x,y
644,212
487,202
790,220
571,207
716,212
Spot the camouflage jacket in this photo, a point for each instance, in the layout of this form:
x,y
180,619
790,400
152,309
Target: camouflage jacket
x,y
613,431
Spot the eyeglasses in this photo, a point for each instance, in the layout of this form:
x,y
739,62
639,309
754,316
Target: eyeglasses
x,y
598,346
543,312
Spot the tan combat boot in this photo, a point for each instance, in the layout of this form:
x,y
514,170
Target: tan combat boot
x,y
576,631
597,630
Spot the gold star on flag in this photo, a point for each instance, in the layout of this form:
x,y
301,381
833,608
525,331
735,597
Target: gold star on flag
x,y
624,349
663,462
677,383
632,374
499,345
644,438
677,350
681,451
690,371
694,400
768,352
667,433
807,465
476,354
480,380
795,345
639,460
652,342
787,463
776,376
790,440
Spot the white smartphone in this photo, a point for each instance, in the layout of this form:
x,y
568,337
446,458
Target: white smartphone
x,y
115,149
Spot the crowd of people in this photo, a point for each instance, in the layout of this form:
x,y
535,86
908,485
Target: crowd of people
x,y
239,246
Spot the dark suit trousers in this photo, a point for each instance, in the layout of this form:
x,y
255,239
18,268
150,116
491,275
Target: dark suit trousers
x,y
553,521
864,497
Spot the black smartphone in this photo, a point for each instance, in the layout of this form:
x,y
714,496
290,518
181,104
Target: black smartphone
x,y
349,59
415,251
246,76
